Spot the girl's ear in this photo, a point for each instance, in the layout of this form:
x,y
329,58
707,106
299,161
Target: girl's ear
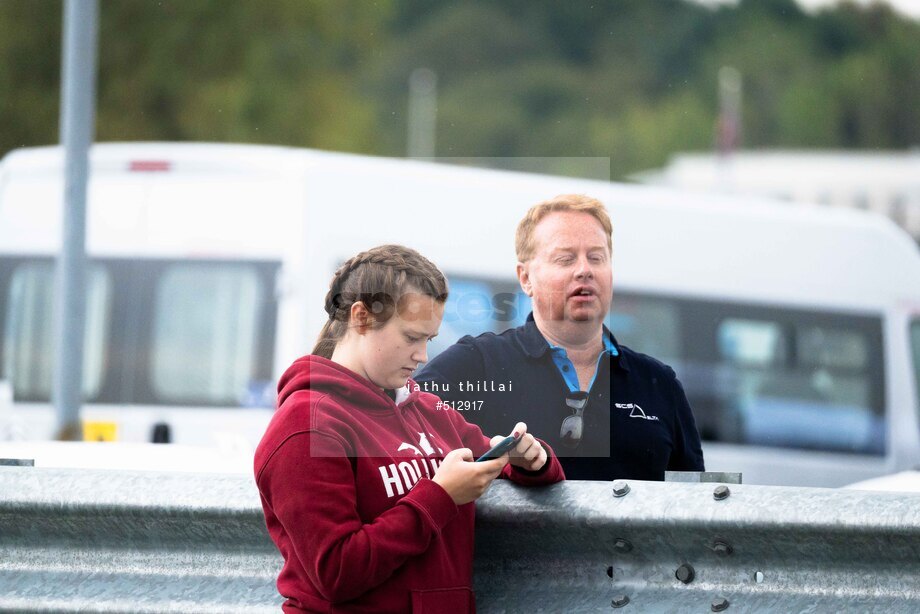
x,y
360,318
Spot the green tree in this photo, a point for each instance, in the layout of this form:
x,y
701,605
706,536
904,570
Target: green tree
x,y
30,69
209,70
628,80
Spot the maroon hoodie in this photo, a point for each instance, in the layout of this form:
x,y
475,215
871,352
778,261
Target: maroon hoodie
x,y
343,472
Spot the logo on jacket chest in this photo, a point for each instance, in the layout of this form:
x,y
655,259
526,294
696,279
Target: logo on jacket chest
x,y
635,411
399,478
423,443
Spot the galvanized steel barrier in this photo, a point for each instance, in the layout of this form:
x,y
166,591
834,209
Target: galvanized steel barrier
x,y
109,541
670,547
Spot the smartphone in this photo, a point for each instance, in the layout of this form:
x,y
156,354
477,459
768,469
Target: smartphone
x,y
505,445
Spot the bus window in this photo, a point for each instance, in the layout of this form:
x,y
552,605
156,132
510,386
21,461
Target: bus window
x,y
648,325
28,348
477,306
750,343
205,334
468,311
800,386
836,361
827,347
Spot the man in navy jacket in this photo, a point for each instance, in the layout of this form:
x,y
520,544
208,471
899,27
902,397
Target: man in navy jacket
x,y
609,412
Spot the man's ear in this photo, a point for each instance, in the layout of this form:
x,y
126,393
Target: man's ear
x,y
524,278
360,317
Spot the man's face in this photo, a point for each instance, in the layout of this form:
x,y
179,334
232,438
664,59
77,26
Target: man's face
x,y
392,352
570,275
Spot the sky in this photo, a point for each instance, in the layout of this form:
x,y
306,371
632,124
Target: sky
x,y
910,8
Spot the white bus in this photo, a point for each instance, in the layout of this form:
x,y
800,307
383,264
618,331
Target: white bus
x,y
795,331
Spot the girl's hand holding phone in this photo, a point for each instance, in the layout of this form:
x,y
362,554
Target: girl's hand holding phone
x,y
465,480
528,454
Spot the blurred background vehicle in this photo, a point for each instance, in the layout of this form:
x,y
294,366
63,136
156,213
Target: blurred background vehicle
x,y
209,264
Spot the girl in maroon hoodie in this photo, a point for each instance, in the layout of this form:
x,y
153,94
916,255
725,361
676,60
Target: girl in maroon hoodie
x,y
367,483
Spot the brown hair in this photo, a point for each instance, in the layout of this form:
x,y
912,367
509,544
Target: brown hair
x,y
378,278
523,238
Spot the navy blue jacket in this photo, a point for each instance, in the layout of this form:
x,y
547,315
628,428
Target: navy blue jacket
x,y
637,422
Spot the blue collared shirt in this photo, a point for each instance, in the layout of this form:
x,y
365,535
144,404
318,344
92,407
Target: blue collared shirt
x,y
567,369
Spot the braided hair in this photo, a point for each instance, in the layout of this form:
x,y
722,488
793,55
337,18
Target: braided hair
x,y
378,278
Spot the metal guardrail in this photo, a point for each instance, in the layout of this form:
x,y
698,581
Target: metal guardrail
x,y
110,541
673,547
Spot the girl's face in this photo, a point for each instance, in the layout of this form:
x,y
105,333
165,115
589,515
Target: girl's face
x,y
389,354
